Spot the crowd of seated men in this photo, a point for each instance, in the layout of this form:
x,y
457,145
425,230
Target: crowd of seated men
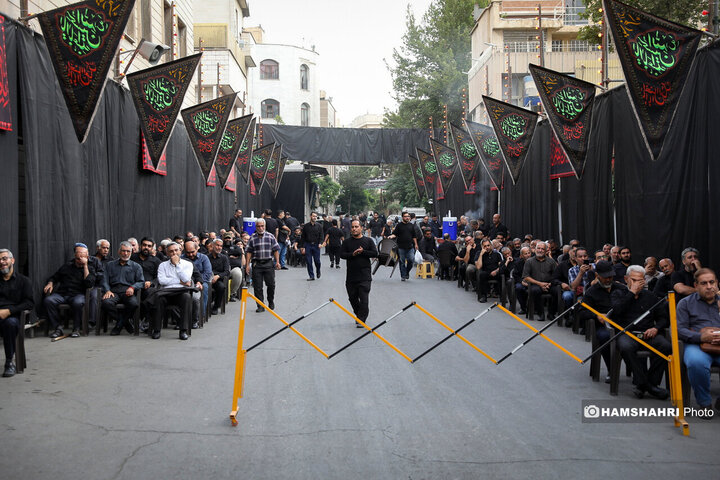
x,y
175,279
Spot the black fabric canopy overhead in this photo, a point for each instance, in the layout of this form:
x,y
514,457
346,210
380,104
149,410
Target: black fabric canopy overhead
x,y
82,192
346,146
9,193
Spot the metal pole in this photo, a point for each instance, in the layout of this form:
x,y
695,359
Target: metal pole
x,y
560,222
288,325
542,40
605,74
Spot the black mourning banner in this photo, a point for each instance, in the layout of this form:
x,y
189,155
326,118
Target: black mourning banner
x,y
429,171
230,147
259,164
212,179
569,104
146,162
273,168
488,147
205,124
559,163
231,184
5,112
278,177
446,162
246,150
417,174
656,56
158,93
82,39
514,128
467,154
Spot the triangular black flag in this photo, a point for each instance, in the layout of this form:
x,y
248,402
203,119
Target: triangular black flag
x,y
446,162
559,164
5,112
273,167
568,102
488,147
429,171
82,39
656,56
230,147
205,124
259,165
278,177
467,154
246,150
514,128
158,93
417,174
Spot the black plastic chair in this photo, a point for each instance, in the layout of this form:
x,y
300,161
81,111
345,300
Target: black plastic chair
x,y
387,255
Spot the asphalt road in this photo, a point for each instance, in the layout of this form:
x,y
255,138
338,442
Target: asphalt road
x,y
134,408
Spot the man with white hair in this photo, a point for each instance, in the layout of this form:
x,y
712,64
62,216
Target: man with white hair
x,y
122,279
537,274
260,252
15,297
628,305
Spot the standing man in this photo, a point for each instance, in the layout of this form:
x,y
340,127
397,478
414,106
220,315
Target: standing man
x,y
375,227
358,250
122,278
407,241
312,239
236,223
282,236
68,285
260,251
15,297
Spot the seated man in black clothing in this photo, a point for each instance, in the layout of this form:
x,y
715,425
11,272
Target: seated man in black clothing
x,y
464,258
221,271
629,304
236,254
664,283
68,285
625,258
683,280
15,297
598,297
428,248
449,245
488,268
149,264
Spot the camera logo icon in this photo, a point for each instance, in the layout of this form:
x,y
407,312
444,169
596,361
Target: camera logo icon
x,y
591,411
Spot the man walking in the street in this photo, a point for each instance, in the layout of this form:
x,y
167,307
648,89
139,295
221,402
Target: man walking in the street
x,y
358,250
407,239
312,240
260,251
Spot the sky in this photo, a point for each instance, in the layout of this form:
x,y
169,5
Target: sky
x,y
353,39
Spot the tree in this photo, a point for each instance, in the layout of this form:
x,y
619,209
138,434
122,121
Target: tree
x,y
686,12
429,66
328,191
354,197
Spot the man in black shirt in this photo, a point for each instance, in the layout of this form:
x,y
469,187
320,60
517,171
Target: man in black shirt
x,y
428,247
149,264
464,258
683,280
68,285
664,283
271,225
15,297
235,254
628,304
312,240
488,267
625,257
407,241
358,250
291,221
221,271
375,227
236,223
496,228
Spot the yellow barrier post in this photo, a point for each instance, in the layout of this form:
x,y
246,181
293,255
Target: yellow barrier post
x,y
373,332
239,360
563,349
676,395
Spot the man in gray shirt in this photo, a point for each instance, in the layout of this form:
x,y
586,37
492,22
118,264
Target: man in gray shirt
x,y
537,274
122,278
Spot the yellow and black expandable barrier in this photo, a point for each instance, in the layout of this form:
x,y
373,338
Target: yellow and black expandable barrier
x,y
454,333
539,333
673,359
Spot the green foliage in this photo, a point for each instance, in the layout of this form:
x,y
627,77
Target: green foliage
x,y
328,191
353,197
685,12
427,71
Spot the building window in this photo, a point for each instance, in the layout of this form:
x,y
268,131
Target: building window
x,y
182,37
304,75
168,30
131,29
146,19
270,108
304,114
269,70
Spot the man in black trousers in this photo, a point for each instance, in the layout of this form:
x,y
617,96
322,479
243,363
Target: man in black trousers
x,y
358,250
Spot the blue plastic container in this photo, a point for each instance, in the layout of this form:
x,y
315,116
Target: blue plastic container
x,y
249,224
450,226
